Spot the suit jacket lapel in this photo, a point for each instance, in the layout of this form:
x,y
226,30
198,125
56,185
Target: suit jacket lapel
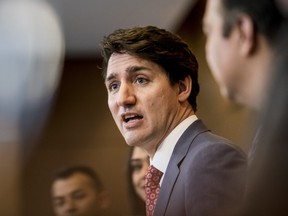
x,y
172,171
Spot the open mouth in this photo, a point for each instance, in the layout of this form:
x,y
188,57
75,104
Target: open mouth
x,y
131,117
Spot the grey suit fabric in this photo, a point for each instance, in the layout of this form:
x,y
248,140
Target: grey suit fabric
x,y
206,176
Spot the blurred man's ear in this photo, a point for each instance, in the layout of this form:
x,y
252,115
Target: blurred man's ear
x,y
246,32
104,199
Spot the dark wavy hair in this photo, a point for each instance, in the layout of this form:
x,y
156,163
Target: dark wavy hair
x,y
164,48
265,15
67,172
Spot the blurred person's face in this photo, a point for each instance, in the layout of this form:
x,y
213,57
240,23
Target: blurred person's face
x,y
222,53
139,164
143,104
77,196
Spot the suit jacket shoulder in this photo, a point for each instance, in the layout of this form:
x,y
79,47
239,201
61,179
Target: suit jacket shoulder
x,y
205,176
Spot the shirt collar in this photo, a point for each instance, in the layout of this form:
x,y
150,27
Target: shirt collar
x,y
164,151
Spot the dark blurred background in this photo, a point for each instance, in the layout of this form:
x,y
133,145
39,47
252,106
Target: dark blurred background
x,y
79,128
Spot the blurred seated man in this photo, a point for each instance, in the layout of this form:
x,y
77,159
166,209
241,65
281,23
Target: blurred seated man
x,y
78,191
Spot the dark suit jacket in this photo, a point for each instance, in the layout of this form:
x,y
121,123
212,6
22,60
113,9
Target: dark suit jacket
x,y
205,176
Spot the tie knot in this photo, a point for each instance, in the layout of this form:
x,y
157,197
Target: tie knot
x,y
153,176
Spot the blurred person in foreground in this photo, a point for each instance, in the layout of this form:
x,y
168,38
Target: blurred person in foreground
x,y
151,78
240,47
268,185
269,178
242,50
31,55
78,191
138,162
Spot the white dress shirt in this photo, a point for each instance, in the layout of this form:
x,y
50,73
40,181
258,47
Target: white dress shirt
x,y
164,151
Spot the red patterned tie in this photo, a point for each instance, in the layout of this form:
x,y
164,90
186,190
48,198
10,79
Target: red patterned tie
x,y
152,188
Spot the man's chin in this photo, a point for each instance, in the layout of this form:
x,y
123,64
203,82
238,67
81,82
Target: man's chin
x,y
225,93
233,97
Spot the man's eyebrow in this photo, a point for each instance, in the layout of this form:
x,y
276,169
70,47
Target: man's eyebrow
x,y
134,69
135,159
57,197
129,70
76,191
110,77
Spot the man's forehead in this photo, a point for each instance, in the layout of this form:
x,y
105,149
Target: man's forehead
x,y
123,58
75,182
128,64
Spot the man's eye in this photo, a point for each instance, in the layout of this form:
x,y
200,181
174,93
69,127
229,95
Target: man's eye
x,y
113,86
141,80
58,202
79,195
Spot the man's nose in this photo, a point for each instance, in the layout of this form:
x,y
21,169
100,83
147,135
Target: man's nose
x,y
126,95
70,206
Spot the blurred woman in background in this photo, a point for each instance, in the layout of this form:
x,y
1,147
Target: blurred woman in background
x,y
138,162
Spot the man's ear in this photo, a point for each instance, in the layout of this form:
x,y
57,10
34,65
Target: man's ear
x,y
104,199
185,87
247,35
